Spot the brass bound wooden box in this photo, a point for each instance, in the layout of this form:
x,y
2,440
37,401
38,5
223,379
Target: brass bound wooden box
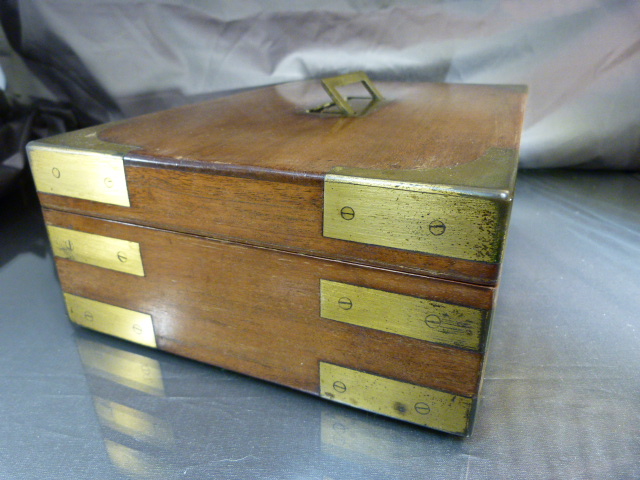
x,y
348,249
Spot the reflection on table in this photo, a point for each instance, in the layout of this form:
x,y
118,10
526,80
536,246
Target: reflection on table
x,y
152,429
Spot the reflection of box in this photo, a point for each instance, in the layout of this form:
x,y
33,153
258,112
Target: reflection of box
x,y
356,258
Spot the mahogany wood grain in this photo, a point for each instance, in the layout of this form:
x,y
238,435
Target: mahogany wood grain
x,y
250,167
265,132
256,311
265,213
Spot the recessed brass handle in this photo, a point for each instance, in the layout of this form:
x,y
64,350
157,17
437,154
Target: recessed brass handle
x,y
331,85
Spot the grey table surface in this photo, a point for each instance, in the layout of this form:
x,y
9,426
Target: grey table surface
x,y
561,396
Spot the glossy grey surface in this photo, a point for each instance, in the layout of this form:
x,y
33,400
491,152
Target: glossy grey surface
x,y
561,397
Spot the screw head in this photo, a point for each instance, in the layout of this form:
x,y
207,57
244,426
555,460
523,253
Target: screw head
x,y
122,257
347,213
345,303
437,228
88,316
55,172
432,321
108,182
137,329
339,387
422,408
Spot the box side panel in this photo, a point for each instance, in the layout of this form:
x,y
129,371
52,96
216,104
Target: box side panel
x,y
285,216
258,311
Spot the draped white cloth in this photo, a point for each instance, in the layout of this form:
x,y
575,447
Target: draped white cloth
x,y
580,58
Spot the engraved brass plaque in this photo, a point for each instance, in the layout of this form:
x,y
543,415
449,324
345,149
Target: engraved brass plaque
x,y
393,398
124,368
105,252
403,315
416,217
127,324
80,174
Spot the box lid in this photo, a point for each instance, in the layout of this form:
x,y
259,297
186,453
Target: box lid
x,y
422,183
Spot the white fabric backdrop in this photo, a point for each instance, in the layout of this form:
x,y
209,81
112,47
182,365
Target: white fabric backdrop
x,y
580,59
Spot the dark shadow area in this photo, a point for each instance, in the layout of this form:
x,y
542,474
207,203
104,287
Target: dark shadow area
x,y
22,227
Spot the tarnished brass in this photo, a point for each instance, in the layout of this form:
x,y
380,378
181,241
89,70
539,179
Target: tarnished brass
x,y
127,324
124,368
84,139
401,400
348,106
403,315
412,216
78,173
105,252
492,175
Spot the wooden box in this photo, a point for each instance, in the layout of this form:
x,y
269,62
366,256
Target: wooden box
x,y
352,256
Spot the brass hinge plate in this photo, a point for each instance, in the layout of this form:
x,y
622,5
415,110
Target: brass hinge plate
x,y
106,252
416,217
403,315
84,174
405,401
120,322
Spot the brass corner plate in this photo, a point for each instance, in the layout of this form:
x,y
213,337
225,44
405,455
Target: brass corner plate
x,y
97,250
120,322
416,217
84,174
404,315
401,400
